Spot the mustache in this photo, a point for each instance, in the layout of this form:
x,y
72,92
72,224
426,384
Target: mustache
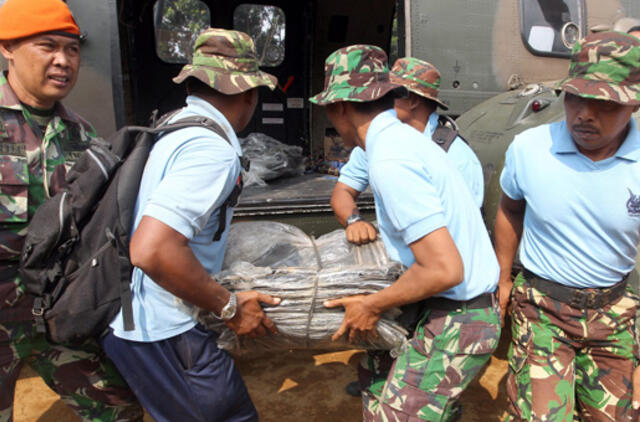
x,y
585,128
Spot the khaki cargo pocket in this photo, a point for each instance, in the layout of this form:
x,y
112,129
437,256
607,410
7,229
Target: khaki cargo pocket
x,y
14,183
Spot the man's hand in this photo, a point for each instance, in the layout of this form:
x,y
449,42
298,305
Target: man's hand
x,y
504,297
361,232
250,318
359,321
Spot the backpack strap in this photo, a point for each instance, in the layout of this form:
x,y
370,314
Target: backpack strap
x,y
232,199
446,132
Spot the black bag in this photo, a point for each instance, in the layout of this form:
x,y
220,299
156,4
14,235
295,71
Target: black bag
x,y
75,259
446,132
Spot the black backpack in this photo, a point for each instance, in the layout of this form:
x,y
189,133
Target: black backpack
x,y
75,259
446,132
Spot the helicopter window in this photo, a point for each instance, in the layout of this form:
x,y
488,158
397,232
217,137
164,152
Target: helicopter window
x,y
550,27
266,25
177,24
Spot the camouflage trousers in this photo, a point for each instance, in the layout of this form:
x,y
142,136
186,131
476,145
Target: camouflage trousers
x,y
565,361
447,351
83,377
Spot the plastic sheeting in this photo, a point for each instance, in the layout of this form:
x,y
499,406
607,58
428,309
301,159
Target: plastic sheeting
x,y
270,159
282,261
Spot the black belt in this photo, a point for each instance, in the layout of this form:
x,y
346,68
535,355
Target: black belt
x,y
440,303
591,298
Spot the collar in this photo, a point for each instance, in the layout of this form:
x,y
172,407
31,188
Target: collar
x,y
563,143
378,124
198,106
9,100
432,124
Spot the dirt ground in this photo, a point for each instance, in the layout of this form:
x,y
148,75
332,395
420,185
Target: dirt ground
x,y
292,386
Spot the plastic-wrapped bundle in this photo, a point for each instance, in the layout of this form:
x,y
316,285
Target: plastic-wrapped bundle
x,y
270,158
326,268
269,244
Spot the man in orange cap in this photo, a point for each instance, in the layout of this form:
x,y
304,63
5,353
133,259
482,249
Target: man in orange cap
x,y
39,137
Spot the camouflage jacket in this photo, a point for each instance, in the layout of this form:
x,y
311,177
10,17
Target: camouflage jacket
x,y
33,167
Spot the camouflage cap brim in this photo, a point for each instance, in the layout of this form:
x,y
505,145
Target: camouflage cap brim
x,y
357,73
418,76
227,82
418,88
371,92
599,90
605,66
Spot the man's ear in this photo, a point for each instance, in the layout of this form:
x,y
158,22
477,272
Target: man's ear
x,y
6,49
414,101
337,109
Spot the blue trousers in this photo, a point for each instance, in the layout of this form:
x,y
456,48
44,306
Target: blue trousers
x,y
183,378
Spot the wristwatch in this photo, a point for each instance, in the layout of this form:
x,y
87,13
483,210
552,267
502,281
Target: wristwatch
x,y
353,218
229,310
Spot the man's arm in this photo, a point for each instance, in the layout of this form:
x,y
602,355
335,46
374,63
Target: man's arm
x,y
507,231
343,202
438,267
165,256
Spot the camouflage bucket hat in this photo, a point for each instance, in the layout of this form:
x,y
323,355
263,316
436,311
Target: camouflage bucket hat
x,y
356,73
605,66
419,77
226,61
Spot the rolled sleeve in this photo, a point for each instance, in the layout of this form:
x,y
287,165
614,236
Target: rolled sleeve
x,y
508,178
200,177
411,202
355,172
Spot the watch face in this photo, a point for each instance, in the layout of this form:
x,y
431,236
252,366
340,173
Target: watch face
x,y
353,218
229,310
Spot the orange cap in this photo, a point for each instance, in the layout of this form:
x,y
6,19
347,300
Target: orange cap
x,y
24,18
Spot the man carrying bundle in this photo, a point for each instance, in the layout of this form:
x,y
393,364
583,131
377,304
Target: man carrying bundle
x,y
428,221
181,224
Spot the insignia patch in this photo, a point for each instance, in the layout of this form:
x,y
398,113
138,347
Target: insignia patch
x,y
633,204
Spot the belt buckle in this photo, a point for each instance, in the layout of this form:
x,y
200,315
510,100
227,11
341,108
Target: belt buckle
x,y
579,300
592,300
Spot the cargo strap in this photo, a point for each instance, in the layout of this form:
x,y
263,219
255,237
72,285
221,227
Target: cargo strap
x,y
592,298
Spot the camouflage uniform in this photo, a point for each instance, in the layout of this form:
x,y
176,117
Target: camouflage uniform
x,y
85,379
447,351
568,361
560,354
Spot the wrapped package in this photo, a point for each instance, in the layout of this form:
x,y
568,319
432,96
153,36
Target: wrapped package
x,y
304,272
270,159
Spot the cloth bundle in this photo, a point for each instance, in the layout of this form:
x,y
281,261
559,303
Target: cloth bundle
x,y
270,159
282,261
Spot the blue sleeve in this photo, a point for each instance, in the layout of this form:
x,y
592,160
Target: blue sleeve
x,y
355,173
469,166
409,198
509,176
200,176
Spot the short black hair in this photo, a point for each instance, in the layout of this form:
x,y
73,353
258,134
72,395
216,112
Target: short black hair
x,y
196,86
634,28
381,104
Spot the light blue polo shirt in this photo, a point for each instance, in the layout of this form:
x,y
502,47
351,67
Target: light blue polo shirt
x,y
355,175
418,190
582,219
189,174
